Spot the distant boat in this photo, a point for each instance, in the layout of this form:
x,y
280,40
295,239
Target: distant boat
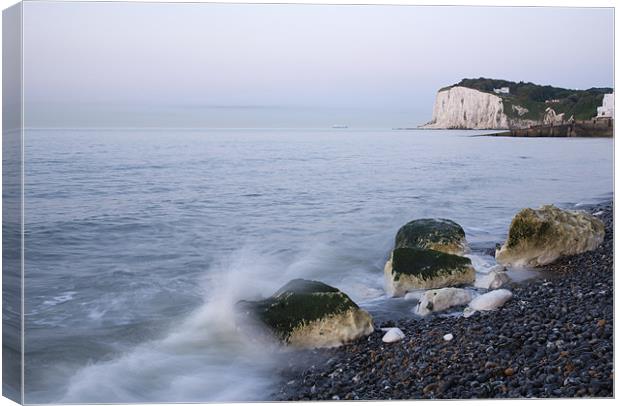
x,y
340,126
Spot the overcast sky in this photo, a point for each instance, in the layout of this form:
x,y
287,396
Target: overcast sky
x,y
226,65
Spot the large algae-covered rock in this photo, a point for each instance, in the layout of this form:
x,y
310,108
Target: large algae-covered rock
x,y
436,234
540,236
415,268
310,314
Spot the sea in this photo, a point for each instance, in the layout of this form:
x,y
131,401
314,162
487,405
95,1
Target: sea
x,y
138,242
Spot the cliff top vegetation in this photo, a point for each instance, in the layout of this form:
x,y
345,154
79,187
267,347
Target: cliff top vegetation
x,y
581,104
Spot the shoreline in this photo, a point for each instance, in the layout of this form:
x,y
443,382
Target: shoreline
x,y
595,128
554,339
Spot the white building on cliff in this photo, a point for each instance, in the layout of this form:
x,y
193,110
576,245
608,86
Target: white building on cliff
x,y
607,109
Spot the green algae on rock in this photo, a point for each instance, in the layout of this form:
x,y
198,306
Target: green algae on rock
x,y
310,314
540,236
436,234
416,268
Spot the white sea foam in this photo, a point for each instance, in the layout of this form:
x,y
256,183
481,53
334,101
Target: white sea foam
x,y
204,357
65,297
482,263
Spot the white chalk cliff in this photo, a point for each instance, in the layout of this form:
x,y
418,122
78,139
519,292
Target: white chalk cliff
x,y
462,107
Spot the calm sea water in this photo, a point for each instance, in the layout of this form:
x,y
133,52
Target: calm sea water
x,y
139,242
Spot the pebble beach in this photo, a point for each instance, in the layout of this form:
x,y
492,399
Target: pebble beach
x,y
553,339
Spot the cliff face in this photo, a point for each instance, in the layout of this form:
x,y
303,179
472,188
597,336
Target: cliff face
x,y
500,104
462,107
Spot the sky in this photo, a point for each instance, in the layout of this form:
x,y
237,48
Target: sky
x,y
241,65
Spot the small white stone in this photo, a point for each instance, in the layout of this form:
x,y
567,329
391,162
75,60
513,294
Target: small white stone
x,y
491,300
437,300
393,335
448,337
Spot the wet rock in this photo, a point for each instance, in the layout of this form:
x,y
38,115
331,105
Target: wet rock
x,y
540,236
413,268
434,234
427,255
308,314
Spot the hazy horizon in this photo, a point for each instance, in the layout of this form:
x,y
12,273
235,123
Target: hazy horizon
x,y
241,65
